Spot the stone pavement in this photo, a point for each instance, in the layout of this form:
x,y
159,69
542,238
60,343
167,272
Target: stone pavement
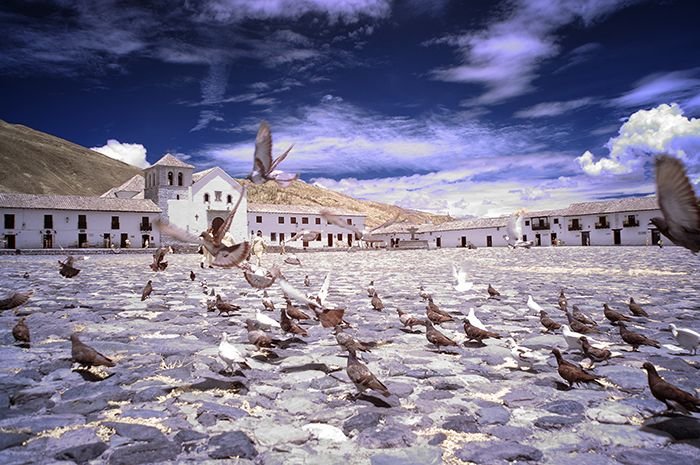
x,y
168,399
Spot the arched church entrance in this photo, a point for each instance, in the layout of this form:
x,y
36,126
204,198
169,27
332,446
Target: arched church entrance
x,y
216,224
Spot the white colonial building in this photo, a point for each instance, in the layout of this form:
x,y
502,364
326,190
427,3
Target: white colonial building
x,y
69,221
281,222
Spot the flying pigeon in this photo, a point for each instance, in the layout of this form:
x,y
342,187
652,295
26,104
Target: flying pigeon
x,y
366,234
85,355
15,300
678,203
158,259
514,228
292,259
224,256
264,167
686,338
461,277
67,270
674,397
305,235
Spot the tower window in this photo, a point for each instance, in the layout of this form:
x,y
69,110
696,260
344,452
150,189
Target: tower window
x,y
179,179
229,199
217,196
170,178
206,198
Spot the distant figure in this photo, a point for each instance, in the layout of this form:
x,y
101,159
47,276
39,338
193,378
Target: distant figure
x,y
660,243
146,244
282,249
259,247
127,243
206,256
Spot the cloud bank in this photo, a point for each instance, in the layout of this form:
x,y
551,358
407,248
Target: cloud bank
x,y
132,154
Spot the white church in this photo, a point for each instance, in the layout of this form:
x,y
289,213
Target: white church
x,y
169,189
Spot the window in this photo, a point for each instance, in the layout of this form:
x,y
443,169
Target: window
x,y
9,221
318,220
527,222
217,196
229,199
293,220
349,221
258,219
318,237
280,219
273,237
82,221
115,222
340,236
281,237
177,197
555,220
48,221
304,220
206,198
145,224
170,178
179,179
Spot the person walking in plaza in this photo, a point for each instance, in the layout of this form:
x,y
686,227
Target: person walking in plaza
x,y
258,247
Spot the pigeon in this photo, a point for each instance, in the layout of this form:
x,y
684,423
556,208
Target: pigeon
x,y
493,292
477,334
571,373
288,326
329,317
370,289
573,339
613,316
292,259
261,278
225,307
377,303
305,235
423,294
595,354
686,338
26,275
435,337
147,289
224,256
363,235
322,296
474,320
579,327
67,270
256,336
361,377
547,322
15,300
348,342
267,302
158,259
636,339
525,357
461,277
437,317
295,313
678,203
265,322
563,302
229,353
674,397
21,331
192,276
85,355
408,320
434,308
514,229
264,167
307,281
582,317
532,305
636,309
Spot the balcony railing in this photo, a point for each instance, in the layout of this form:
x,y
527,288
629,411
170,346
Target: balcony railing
x,y
630,223
604,225
575,227
146,226
540,226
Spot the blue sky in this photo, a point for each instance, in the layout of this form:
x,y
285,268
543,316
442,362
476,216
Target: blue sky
x,y
461,107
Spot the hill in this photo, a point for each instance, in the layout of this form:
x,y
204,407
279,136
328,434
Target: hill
x,y
38,163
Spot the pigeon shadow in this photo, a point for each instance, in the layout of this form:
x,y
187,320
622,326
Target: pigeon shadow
x,y
559,386
678,426
90,376
410,331
267,356
311,366
283,344
474,344
210,383
376,401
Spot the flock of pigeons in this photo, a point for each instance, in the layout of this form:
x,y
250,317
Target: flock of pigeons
x,y
681,224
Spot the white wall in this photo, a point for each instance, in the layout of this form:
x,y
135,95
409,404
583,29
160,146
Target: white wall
x,y
29,228
270,224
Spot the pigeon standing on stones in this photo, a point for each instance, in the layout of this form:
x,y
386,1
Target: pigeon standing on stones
x,y
15,300
436,315
147,289
192,275
595,354
636,339
613,316
229,353
547,322
256,336
582,317
408,319
370,289
288,326
434,308
674,397
361,377
377,303
474,320
295,313
85,355
563,302
580,327
532,305
637,309
267,302
264,167
348,342
493,293
225,307
686,338
21,332
435,337
477,334
423,294
307,281
525,357
572,373
678,203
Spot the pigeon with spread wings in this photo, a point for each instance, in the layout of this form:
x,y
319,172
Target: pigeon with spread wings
x,y
364,235
264,167
224,256
305,235
514,238
678,203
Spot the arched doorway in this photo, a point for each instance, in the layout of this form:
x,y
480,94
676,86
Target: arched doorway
x,y
216,224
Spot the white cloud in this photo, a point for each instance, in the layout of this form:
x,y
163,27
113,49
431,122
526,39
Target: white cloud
x,y
344,10
646,133
505,56
133,154
547,109
206,117
661,87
